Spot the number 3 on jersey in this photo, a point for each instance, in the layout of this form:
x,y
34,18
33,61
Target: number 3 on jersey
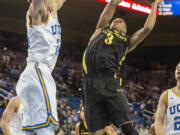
x,y
177,123
109,38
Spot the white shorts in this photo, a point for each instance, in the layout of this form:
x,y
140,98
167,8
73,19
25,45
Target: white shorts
x,y
37,92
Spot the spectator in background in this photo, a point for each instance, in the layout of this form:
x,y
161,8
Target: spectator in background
x,y
63,72
5,55
143,130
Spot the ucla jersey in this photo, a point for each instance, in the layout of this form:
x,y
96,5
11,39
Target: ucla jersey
x,y
44,41
172,118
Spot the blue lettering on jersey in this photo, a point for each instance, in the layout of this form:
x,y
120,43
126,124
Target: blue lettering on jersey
x,y
57,48
56,30
174,109
177,123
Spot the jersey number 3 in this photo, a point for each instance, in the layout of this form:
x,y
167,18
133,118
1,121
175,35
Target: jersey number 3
x,y
109,39
177,123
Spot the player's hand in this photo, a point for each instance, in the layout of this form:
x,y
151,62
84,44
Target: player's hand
x,y
116,2
158,2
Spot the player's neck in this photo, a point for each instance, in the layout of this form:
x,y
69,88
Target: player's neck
x,y
178,85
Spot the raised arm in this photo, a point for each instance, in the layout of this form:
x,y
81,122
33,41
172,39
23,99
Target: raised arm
x,y
161,111
35,7
106,17
141,34
8,114
60,3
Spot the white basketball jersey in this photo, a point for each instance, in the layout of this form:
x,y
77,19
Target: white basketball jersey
x,y
15,125
44,41
172,118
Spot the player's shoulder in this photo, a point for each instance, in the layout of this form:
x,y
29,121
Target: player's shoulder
x,y
163,96
163,93
166,92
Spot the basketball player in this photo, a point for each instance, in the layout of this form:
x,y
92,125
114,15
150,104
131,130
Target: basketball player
x,y
11,120
36,87
104,101
167,120
82,129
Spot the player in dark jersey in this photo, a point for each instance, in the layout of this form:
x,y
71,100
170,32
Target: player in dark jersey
x,y
104,101
82,129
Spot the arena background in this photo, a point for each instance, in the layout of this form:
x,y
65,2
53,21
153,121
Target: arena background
x,y
147,71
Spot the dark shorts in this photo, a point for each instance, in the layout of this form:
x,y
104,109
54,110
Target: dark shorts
x,y
104,103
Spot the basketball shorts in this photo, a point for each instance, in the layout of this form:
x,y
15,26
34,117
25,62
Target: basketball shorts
x,y
104,103
36,90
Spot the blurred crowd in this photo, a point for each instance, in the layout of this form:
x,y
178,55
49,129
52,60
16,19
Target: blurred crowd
x,y
142,84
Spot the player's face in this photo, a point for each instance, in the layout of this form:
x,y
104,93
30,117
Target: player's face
x,y
119,25
177,72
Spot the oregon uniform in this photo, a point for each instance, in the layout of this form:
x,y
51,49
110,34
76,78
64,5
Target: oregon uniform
x,y
104,101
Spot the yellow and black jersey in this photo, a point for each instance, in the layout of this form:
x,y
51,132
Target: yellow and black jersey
x,y
106,52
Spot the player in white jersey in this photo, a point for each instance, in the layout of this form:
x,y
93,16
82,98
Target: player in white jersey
x,y
167,120
11,120
36,87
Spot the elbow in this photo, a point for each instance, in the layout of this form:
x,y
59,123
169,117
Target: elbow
x,y
148,27
147,30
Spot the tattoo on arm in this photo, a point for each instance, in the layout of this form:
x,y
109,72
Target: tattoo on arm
x,y
137,38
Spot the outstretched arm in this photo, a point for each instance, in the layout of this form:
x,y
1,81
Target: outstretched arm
x,y
161,110
35,7
141,34
106,17
60,3
8,114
